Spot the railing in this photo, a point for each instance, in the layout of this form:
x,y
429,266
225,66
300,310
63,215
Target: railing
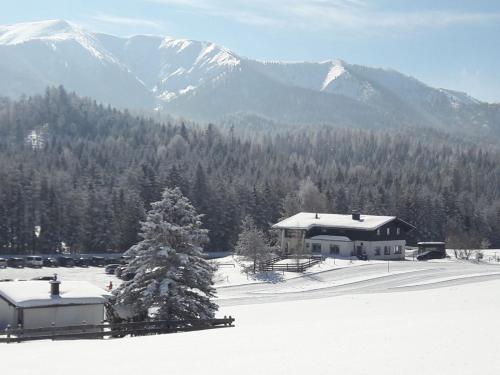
x,y
94,331
290,267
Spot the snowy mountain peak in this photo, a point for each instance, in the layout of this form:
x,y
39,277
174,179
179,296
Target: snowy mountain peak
x,y
24,32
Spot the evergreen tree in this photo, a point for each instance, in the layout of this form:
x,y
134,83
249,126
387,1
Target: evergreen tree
x,y
172,280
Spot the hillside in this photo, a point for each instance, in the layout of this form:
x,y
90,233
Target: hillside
x,y
205,82
85,174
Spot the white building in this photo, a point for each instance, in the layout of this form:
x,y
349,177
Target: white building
x,y
364,236
35,304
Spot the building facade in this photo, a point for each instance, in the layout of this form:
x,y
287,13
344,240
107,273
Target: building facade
x,y
344,236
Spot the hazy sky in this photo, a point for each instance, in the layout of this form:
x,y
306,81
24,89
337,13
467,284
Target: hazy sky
x,y
445,43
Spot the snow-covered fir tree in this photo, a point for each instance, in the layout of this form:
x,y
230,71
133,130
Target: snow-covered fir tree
x,y
252,244
172,280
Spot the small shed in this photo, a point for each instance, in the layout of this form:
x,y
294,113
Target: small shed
x,y
424,247
35,304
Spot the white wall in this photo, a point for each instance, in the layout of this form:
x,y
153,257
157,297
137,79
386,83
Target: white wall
x,y
63,315
346,248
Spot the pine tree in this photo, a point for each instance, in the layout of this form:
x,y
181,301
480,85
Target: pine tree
x,y
172,280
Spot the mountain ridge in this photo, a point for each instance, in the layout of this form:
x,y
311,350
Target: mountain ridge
x,y
206,81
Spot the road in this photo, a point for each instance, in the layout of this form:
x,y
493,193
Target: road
x,y
370,278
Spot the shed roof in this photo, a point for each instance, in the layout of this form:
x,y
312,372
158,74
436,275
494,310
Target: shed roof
x,y
306,220
37,293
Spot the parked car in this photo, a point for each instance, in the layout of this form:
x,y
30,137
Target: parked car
x,y
5,280
43,278
50,262
127,276
66,261
97,261
34,261
125,259
119,271
3,263
82,262
110,268
15,262
430,255
111,260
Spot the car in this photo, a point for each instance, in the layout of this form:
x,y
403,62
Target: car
x,y
111,260
125,259
43,278
34,261
15,262
82,262
3,263
110,268
119,271
65,261
432,254
5,280
50,262
97,261
126,276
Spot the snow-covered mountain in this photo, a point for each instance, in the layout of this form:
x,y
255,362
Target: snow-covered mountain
x,y
205,81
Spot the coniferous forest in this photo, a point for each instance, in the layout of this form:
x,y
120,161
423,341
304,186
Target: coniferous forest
x,y
79,173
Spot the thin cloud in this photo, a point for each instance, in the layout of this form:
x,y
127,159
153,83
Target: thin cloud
x,y
126,21
328,14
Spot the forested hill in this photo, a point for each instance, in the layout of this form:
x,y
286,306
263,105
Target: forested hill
x,y
85,174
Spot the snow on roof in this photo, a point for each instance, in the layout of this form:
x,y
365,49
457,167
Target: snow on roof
x,y
330,238
37,293
306,220
431,243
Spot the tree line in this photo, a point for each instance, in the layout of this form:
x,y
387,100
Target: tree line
x,y
79,175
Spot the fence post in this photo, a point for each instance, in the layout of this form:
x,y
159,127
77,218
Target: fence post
x,y
7,330
53,332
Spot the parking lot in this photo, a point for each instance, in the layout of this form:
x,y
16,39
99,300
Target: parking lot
x,y
93,274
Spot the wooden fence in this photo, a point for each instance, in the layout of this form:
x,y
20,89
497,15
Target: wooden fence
x,y
289,267
95,331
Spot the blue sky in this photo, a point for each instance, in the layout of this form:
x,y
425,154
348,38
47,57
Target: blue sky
x,y
445,43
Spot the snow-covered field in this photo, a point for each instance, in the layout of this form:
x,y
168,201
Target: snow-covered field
x,y
438,317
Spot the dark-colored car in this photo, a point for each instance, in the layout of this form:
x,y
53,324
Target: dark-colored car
x,y
110,268
97,261
66,261
111,260
430,255
50,262
3,263
82,262
126,276
125,259
15,262
43,278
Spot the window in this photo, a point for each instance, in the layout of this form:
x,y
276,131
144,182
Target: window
x,y
398,249
378,232
334,250
377,250
388,231
316,248
387,250
398,231
307,245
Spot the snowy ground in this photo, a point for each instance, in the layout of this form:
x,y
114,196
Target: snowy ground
x,y
437,317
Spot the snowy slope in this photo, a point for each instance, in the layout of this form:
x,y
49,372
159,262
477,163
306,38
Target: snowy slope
x,y
206,81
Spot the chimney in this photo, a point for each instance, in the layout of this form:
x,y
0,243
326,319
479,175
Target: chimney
x,y
356,215
54,286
